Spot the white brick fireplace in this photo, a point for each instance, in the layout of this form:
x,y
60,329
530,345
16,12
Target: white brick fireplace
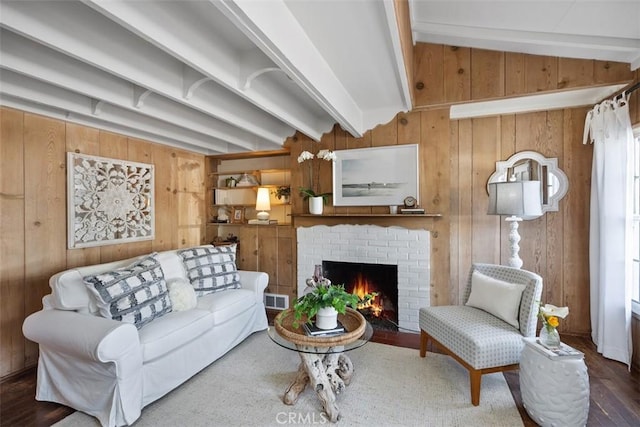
x,y
409,249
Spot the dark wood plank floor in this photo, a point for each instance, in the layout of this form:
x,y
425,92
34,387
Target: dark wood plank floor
x,y
615,392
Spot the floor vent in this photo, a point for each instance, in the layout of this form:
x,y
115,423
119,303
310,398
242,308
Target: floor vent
x,y
276,301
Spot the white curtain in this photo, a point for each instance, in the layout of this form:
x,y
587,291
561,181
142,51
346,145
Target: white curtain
x,y
610,231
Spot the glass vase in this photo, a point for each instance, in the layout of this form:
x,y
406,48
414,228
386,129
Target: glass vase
x,y
549,337
317,273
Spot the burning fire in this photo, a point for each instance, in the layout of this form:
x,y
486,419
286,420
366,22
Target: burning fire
x,y
361,287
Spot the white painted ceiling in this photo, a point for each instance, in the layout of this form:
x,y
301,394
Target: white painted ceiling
x,y
227,76
590,29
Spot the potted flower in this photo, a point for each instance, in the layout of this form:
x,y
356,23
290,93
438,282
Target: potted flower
x,y
316,198
282,192
549,315
324,301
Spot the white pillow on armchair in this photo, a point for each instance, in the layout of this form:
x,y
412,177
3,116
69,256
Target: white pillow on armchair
x,y
497,297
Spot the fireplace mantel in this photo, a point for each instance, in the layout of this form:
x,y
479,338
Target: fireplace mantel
x,y
412,221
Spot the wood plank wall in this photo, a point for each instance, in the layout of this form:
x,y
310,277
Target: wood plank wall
x,y
458,156
33,213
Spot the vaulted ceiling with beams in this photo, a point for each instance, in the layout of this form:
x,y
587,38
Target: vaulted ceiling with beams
x,y
209,76
607,30
229,76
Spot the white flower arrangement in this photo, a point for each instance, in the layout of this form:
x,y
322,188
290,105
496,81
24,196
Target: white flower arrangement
x,y
314,172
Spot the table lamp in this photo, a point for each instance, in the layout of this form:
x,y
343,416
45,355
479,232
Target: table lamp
x,y
263,204
519,199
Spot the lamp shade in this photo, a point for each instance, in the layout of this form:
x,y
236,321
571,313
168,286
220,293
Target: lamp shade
x,y
517,198
263,203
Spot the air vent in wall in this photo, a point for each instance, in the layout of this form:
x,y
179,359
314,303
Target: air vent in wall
x,y
276,301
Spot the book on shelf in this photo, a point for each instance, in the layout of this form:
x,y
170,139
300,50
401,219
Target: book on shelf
x,y
411,210
314,331
262,221
563,352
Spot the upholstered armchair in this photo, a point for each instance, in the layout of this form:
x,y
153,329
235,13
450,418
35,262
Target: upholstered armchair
x,y
485,334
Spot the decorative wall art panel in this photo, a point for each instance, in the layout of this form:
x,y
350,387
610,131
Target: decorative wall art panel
x,y
109,201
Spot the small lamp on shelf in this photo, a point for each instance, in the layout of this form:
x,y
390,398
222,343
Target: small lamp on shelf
x,y
263,204
520,200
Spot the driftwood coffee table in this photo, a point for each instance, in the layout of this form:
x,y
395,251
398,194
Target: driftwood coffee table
x,y
324,362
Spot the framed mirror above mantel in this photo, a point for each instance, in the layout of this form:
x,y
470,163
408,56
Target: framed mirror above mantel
x,y
533,166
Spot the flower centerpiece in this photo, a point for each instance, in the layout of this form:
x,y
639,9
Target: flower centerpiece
x,y
324,300
313,175
549,315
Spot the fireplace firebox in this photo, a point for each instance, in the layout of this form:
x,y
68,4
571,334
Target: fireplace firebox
x,y
364,278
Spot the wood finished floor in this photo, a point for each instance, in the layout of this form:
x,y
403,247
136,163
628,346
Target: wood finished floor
x,y
615,392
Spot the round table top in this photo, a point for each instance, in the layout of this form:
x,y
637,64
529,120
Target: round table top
x,y
358,333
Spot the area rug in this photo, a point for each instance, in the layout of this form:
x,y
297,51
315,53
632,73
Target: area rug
x,y
391,386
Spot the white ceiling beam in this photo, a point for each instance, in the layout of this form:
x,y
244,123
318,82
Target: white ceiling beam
x,y
71,28
401,70
539,43
531,103
274,29
94,122
25,57
19,86
138,18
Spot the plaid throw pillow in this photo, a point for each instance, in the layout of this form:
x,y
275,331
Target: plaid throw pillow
x,y
136,294
211,269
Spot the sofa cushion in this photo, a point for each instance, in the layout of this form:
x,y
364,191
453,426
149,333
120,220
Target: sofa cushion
x,y
135,294
211,269
173,331
228,304
182,295
500,298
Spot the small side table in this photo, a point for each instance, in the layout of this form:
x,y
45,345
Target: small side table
x,y
555,389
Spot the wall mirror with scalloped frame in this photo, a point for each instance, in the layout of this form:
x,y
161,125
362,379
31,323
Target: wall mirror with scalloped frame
x,y
533,166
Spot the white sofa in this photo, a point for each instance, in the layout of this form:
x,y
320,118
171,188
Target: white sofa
x,y
111,369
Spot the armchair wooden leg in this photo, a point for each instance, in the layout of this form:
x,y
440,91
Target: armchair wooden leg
x,y
424,340
475,377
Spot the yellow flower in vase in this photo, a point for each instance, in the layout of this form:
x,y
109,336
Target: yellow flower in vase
x,y
553,321
550,316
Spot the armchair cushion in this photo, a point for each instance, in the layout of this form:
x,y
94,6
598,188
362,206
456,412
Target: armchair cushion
x,y
528,316
479,338
497,297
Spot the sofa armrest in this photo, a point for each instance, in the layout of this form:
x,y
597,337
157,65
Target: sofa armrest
x,y
81,336
255,281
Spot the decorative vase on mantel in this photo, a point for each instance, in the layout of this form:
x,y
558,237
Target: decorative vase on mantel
x,y
315,205
327,318
549,337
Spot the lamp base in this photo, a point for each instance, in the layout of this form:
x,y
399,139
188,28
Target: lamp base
x,y
263,216
514,239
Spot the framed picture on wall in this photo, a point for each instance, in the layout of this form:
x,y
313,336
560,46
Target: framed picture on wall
x,y
237,215
376,176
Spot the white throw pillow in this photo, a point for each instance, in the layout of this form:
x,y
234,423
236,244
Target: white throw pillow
x,y
182,295
497,297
